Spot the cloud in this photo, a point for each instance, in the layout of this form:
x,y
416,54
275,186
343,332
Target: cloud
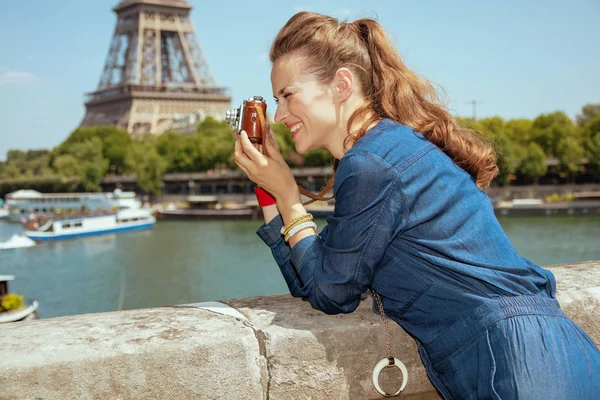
x,y
8,77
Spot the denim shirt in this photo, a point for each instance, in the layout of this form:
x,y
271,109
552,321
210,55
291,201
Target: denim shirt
x,y
413,226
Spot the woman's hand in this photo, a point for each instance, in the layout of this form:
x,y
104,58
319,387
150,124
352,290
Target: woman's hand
x,y
268,170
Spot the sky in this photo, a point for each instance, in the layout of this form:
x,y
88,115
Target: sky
x,y
515,59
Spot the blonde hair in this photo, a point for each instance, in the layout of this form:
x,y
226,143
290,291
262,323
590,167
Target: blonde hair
x,y
391,89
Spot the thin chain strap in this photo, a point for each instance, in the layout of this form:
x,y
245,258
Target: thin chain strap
x,y
388,335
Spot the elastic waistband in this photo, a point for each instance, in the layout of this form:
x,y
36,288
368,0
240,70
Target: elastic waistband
x,y
495,309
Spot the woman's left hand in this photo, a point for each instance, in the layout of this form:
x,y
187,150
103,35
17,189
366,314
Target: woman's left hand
x,y
269,171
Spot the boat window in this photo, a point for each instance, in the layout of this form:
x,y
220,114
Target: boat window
x,y
66,225
77,225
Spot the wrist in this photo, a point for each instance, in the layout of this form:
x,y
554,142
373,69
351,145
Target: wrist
x,y
288,198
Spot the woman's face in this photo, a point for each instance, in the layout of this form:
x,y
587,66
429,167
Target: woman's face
x,y
305,105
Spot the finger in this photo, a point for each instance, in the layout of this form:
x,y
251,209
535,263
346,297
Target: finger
x,y
252,153
272,147
242,167
240,158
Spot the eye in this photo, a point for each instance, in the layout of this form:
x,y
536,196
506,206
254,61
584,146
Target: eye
x,y
286,95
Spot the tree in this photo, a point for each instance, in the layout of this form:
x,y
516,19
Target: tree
x,y
82,157
115,144
115,147
144,159
533,165
216,142
588,112
549,129
570,155
28,163
591,144
495,129
68,166
559,137
170,146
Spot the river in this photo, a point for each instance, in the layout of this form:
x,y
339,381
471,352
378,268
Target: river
x,y
180,262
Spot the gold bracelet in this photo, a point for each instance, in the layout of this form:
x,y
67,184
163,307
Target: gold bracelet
x,y
296,224
302,218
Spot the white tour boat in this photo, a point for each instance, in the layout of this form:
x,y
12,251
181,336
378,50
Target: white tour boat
x,y
129,219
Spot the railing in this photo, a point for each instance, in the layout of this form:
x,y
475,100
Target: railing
x,y
274,347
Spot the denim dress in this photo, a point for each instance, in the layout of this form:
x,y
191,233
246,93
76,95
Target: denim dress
x,y
413,226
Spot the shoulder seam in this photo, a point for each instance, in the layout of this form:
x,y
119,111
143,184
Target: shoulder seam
x,y
416,157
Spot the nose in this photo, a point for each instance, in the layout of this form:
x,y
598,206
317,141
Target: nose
x,y
280,113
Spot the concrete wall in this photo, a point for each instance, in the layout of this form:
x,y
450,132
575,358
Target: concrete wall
x,y
274,347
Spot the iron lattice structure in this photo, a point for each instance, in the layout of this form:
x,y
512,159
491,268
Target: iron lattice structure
x,y
155,74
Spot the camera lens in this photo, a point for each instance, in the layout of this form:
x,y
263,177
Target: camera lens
x,y
228,115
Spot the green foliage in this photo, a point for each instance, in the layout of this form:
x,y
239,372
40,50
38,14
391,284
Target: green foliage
x,y
80,162
314,158
44,184
318,158
215,141
11,301
81,155
588,112
533,164
549,129
28,163
144,159
591,144
556,198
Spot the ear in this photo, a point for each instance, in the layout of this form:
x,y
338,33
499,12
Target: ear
x,y
342,84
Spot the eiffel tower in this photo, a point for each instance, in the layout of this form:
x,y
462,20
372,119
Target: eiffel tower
x,y
155,72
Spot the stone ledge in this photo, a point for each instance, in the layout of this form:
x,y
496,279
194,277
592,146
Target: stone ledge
x,y
274,347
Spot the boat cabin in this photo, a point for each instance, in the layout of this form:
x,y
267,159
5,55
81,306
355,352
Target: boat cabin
x,y
4,279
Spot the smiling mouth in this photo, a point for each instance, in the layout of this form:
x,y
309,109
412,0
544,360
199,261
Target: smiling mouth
x,y
296,128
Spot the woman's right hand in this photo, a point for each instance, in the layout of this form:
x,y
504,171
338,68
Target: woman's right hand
x,y
266,168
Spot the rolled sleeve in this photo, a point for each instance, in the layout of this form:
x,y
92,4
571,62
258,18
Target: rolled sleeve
x,y
271,233
335,269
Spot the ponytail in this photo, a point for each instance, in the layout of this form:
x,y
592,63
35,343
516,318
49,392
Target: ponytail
x,y
390,88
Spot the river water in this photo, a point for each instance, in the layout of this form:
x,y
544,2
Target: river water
x,y
180,262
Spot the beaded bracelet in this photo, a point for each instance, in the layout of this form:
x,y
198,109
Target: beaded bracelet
x,y
298,228
302,218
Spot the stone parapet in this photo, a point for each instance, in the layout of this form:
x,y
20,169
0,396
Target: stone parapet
x,y
273,347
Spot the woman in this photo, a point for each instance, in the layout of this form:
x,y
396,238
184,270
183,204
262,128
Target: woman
x,y
411,221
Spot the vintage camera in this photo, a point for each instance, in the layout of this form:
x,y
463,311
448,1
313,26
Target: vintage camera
x,y
251,117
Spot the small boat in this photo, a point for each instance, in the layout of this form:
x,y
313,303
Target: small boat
x,y
21,314
84,226
208,207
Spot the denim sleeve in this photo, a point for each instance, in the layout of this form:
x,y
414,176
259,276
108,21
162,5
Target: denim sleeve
x,y
333,270
271,234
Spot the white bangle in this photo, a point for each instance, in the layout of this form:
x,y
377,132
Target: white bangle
x,y
300,227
